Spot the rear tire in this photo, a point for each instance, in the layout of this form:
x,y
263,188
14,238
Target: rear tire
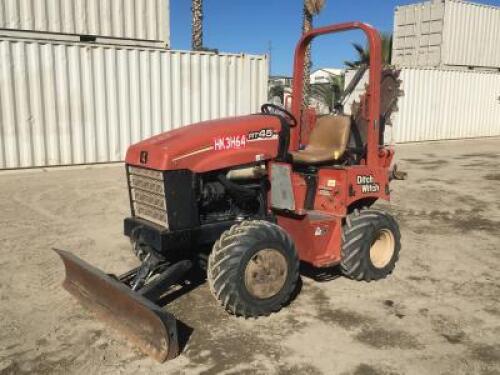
x,y
371,242
253,269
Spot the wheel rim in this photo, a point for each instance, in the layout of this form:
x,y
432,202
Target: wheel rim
x,y
265,273
382,248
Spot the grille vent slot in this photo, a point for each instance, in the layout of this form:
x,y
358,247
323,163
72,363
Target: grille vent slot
x,y
147,190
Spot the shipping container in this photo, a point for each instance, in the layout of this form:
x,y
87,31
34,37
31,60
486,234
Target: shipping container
x,y
447,104
63,104
447,34
442,104
134,20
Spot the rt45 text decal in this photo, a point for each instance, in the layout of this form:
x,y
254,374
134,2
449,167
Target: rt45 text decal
x,y
231,142
261,134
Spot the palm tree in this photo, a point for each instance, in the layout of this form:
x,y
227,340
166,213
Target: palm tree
x,y
329,93
310,9
276,90
197,25
364,52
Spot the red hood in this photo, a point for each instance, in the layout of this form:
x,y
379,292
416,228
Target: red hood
x,y
209,145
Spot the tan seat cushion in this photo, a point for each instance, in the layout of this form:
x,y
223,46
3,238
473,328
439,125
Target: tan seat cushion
x,y
328,141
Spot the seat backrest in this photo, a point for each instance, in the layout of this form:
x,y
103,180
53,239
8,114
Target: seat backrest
x,y
331,132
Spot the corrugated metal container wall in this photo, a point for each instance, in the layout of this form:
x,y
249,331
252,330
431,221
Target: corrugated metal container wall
x,y
471,35
441,104
447,104
64,104
418,30
448,34
126,19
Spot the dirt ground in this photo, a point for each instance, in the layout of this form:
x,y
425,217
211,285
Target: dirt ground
x,y
438,313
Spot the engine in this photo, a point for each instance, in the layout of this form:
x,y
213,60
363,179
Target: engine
x,y
181,199
233,195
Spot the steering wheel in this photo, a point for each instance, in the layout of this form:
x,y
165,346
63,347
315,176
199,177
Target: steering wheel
x,y
273,109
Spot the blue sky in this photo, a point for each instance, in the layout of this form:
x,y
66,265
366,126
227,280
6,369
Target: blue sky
x,y
248,26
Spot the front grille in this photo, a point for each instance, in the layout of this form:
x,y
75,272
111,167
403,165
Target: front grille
x,y
147,193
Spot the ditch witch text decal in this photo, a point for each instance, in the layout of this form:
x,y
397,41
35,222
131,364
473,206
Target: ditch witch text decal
x,y
368,184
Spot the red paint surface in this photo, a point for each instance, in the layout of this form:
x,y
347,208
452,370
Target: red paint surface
x,y
308,122
320,250
336,190
189,147
218,144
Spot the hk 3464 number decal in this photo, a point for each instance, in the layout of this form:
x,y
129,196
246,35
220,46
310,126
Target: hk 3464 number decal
x,y
234,142
230,142
368,184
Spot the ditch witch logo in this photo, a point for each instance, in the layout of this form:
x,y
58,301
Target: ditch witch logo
x,y
144,157
368,184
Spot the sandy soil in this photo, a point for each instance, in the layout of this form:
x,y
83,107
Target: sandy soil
x,y
439,313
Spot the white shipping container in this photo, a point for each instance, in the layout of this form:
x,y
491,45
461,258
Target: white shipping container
x,y
447,104
442,104
63,104
447,33
140,20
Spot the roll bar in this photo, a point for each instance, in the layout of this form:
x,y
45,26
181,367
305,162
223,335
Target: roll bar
x,y
373,93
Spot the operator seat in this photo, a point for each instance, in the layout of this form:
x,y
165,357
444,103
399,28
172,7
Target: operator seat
x,y
327,142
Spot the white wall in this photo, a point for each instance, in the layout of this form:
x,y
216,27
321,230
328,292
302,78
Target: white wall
x,y
447,34
447,104
63,104
443,104
146,20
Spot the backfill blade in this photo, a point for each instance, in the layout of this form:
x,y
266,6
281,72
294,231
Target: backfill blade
x,y
145,324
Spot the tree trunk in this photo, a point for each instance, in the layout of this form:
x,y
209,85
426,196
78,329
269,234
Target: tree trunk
x,y
307,26
197,25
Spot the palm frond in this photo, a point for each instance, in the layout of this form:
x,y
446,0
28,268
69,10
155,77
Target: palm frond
x,y
314,7
328,93
364,52
352,64
386,48
359,48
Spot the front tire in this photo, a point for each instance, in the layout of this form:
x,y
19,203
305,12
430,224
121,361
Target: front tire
x,y
371,242
253,269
